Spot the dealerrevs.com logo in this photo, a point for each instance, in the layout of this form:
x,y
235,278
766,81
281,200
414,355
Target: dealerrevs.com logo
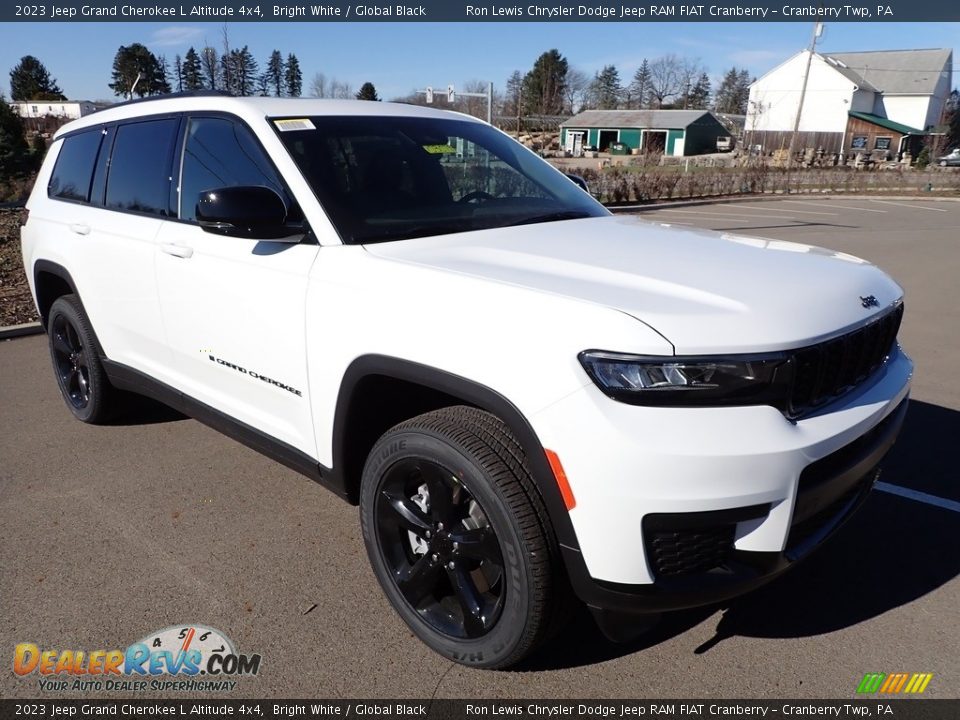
x,y
187,657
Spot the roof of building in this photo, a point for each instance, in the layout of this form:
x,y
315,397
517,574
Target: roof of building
x,y
885,123
894,72
635,118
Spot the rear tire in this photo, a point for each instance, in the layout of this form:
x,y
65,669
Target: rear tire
x,y
76,362
459,538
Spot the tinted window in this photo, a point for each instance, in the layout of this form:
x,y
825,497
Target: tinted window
x,y
390,178
139,179
74,169
221,153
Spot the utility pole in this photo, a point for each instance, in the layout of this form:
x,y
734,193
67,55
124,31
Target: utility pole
x,y
817,31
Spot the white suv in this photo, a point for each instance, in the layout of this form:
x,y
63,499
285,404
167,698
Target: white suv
x,y
524,394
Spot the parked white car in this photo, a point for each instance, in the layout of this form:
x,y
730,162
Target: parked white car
x,y
529,398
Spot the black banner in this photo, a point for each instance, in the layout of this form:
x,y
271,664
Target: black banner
x,y
851,11
879,707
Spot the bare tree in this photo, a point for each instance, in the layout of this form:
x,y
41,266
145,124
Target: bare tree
x,y
577,90
666,79
210,62
341,90
318,86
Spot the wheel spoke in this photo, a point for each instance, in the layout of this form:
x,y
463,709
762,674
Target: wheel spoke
x,y
60,344
400,510
480,544
474,621
441,494
84,386
73,340
418,580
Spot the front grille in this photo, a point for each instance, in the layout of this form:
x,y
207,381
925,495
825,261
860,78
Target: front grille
x,y
824,371
682,552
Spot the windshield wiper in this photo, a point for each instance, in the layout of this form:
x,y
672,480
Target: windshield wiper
x,y
409,233
551,217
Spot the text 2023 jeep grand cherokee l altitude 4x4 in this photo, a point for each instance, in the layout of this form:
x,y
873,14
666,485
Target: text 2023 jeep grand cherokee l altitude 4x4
x,y
523,393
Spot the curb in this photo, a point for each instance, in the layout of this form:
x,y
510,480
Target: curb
x,y
12,331
783,196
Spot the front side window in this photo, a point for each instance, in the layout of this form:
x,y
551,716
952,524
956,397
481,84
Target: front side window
x,y
221,153
139,177
74,169
391,178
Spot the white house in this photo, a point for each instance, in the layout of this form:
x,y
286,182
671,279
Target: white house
x,y
905,87
68,109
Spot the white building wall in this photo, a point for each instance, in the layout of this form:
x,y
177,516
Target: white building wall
x,y
912,110
774,98
60,109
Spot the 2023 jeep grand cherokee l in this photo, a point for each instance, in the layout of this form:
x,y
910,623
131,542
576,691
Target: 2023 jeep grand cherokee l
x,y
523,393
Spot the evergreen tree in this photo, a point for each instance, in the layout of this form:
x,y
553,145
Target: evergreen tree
x,y
953,120
192,71
727,98
544,85
30,80
13,147
136,71
698,98
275,73
178,71
606,89
239,72
368,92
161,80
293,78
640,86
743,91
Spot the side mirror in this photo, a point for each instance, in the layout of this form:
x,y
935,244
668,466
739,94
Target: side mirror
x,y
577,180
246,211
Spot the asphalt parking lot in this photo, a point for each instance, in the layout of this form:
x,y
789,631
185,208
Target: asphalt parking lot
x,y
109,533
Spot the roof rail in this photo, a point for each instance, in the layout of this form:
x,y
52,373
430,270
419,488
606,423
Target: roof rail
x,y
184,94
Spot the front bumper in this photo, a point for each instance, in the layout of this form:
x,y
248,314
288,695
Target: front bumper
x,y
684,507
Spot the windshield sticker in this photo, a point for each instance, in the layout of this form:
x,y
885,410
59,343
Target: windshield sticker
x,y
439,149
294,124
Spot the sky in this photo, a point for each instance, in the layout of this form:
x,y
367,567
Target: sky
x,y
401,57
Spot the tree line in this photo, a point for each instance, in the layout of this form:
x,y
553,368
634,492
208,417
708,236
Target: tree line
x,y
553,87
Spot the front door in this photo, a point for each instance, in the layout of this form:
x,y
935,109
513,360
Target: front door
x,y
233,308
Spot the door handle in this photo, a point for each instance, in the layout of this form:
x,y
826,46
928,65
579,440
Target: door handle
x,y
180,251
80,228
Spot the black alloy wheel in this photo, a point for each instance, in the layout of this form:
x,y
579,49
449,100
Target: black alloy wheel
x,y
440,548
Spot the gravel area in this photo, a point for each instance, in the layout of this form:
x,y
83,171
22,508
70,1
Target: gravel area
x,y
16,304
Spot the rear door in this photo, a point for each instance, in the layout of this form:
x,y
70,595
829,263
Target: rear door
x,y
233,308
112,225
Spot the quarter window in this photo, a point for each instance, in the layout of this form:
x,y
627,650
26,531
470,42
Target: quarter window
x,y
139,179
222,153
74,169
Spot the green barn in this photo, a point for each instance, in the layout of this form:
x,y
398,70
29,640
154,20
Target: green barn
x,y
666,132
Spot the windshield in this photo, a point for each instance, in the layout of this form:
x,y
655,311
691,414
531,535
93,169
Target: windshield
x,y
392,178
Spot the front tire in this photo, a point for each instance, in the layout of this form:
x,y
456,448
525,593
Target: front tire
x,y
458,536
76,361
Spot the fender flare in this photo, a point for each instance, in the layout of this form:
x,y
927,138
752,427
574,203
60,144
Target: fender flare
x,y
472,393
47,266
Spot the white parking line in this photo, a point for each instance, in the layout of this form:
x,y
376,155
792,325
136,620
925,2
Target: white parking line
x,y
909,205
839,207
918,496
727,216
807,212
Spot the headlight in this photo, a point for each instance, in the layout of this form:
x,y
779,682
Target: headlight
x,y
691,381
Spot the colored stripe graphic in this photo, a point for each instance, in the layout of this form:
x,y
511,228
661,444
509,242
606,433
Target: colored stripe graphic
x,y
913,683
871,682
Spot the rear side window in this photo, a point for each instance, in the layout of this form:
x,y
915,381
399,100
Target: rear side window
x,y
222,153
73,172
139,178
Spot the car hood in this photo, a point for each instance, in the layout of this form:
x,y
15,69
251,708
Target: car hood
x,y
704,292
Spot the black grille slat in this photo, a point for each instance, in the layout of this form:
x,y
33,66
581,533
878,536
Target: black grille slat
x,y
824,371
682,552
